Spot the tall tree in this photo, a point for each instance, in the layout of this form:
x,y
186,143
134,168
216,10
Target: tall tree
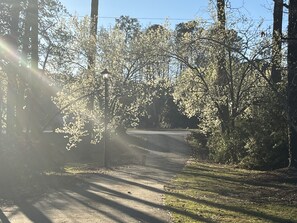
x,y
277,41
1,106
12,68
222,78
292,84
22,113
221,16
34,90
130,26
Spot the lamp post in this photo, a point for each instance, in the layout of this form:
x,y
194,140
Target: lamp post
x,y
105,74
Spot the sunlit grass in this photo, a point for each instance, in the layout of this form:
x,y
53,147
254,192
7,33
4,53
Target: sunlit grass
x,y
81,168
224,194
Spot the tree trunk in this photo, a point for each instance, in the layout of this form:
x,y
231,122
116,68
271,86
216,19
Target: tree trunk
x,y
292,83
221,69
34,91
23,110
12,69
277,41
222,79
221,13
1,112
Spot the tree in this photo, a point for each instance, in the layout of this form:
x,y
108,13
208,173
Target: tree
x,y
189,54
130,26
12,68
277,41
222,78
292,87
199,94
221,16
21,59
137,67
242,98
2,102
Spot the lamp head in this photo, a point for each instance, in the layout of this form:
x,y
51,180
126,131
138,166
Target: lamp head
x,y
105,73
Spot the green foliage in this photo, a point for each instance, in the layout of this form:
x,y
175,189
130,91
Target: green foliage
x,y
130,26
266,135
156,74
244,118
259,140
226,148
138,81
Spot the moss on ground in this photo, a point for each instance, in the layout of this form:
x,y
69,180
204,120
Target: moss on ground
x,y
206,192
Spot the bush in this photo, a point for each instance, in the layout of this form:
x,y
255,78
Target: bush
x,y
198,141
226,148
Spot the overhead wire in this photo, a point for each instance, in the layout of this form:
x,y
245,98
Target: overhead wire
x,y
163,18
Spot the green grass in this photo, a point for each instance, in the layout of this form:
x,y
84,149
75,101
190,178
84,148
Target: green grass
x,y
206,192
77,168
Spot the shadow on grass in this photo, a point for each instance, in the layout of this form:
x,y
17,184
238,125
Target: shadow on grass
x,y
196,200
259,180
221,186
252,213
82,192
82,189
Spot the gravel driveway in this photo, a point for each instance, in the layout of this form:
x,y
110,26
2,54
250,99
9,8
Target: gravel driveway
x,y
125,194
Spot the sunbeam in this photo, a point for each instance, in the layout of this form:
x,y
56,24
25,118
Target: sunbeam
x,y
11,54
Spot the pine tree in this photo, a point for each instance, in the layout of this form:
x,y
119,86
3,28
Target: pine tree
x,y
277,41
292,84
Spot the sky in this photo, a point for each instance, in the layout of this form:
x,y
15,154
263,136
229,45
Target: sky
x,y
151,12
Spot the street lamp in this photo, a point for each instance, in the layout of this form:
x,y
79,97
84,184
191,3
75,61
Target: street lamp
x,y
105,74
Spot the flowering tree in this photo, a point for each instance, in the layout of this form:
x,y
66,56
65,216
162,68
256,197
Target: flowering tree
x,y
135,68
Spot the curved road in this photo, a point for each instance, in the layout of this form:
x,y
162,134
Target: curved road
x,y
125,194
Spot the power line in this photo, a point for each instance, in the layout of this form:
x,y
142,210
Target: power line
x,y
141,18
168,18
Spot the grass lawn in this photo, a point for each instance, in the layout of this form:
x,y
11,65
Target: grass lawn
x,y
206,192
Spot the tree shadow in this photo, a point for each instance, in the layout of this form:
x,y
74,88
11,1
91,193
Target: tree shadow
x,y
277,183
33,213
82,191
3,217
92,191
212,180
196,200
83,188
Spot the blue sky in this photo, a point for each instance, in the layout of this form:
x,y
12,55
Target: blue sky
x,y
154,11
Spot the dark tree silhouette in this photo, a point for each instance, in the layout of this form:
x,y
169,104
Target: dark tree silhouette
x,y
277,41
222,78
292,82
221,15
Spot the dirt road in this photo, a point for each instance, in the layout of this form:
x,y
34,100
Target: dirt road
x,y
131,193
